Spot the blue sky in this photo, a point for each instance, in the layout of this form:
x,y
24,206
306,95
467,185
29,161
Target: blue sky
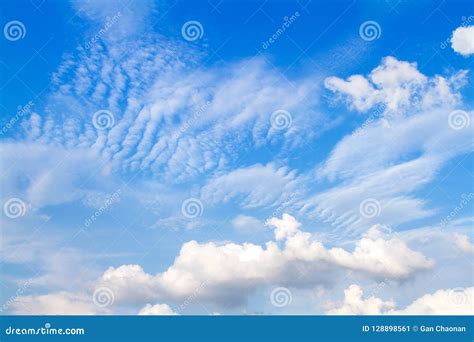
x,y
213,157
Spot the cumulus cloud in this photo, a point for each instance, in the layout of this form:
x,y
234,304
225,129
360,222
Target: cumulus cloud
x,y
355,304
228,273
157,310
284,227
458,301
462,40
397,85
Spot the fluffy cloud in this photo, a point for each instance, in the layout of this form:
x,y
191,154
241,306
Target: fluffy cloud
x,y
284,227
157,310
457,301
462,40
397,85
228,273
355,304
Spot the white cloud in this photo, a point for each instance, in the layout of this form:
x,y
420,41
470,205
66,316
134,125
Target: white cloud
x,y
397,137
462,40
60,303
45,175
381,257
285,227
398,150
457,301
388,187
229,273
129,24
254,186
355,304
464,243
157,310
173,119
398,85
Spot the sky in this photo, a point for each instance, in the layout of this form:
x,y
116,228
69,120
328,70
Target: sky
x,y
236,157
